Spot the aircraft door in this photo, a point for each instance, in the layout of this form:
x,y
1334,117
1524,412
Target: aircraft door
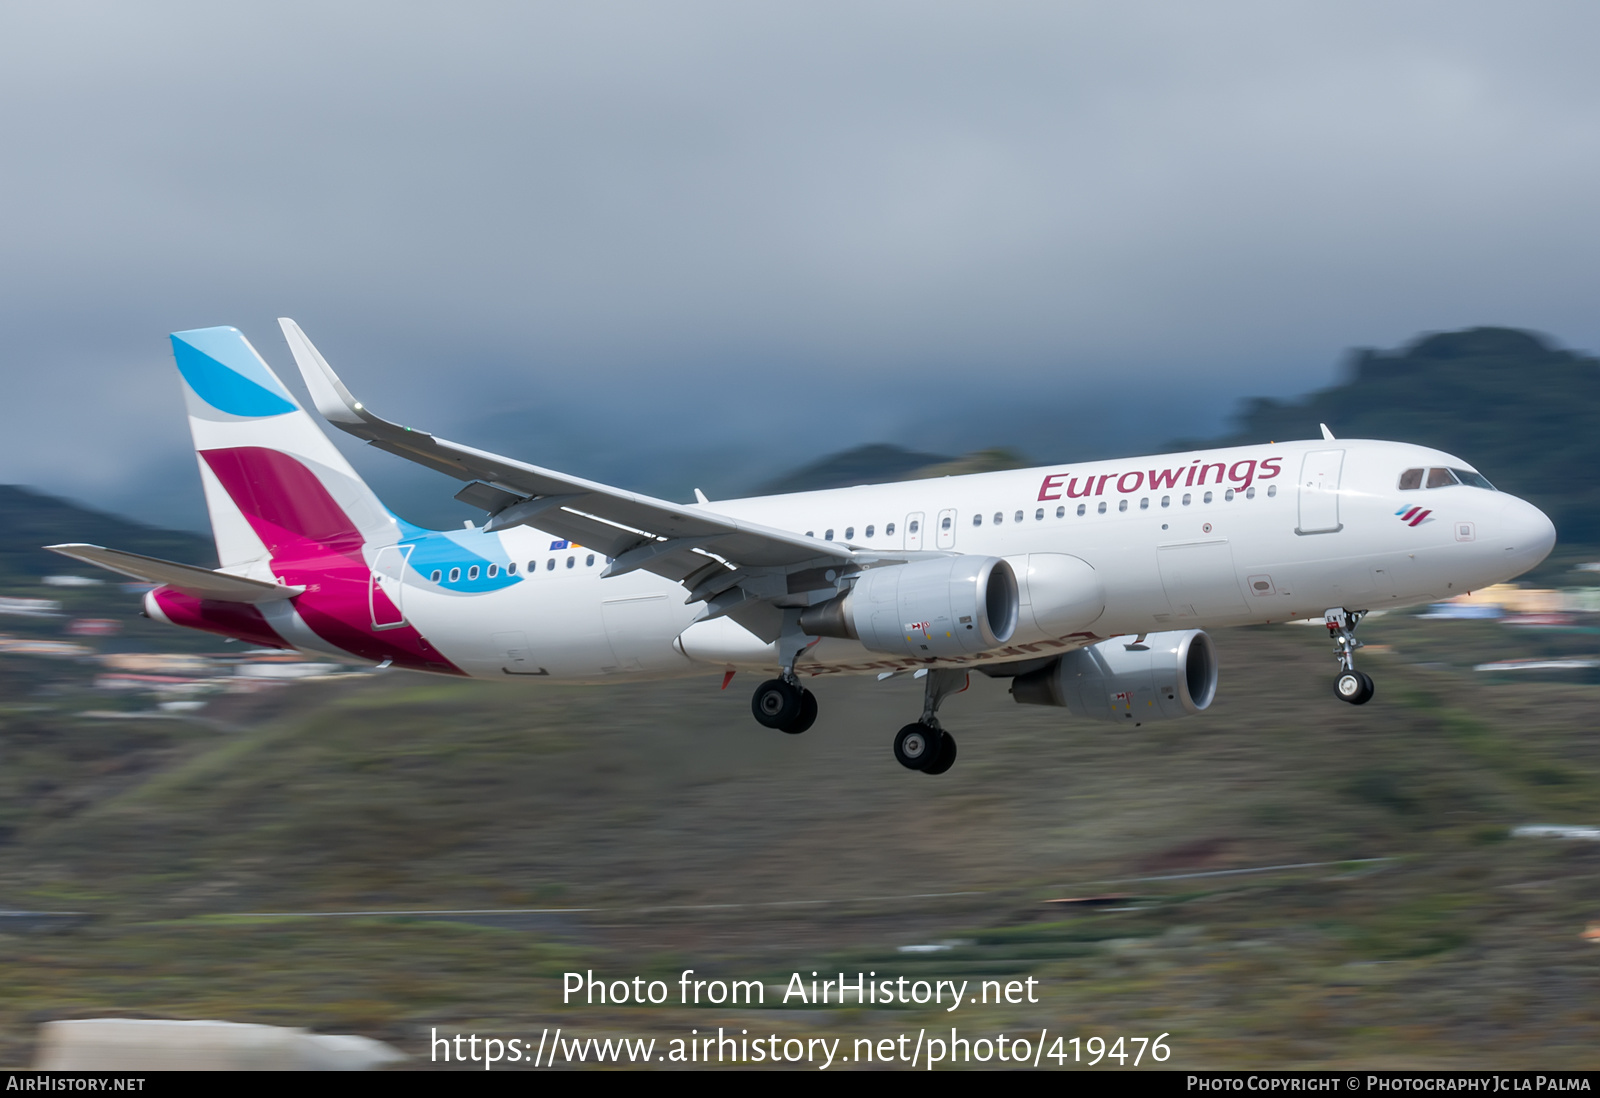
x,y
386,588
945,535
1200,580
640,629
914,530
1319,492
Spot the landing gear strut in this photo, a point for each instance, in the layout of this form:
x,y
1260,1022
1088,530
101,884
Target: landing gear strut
x,y
1353,686
926,746
782,703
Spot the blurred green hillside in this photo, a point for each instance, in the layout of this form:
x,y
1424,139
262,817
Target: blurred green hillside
x,y
1524,413
30,520
1239,913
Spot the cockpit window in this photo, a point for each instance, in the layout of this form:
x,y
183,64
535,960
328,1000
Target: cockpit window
x,y
1476,480
1441,478
1411,478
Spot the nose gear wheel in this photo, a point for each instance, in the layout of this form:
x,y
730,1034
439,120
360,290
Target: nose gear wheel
x,y
1355,687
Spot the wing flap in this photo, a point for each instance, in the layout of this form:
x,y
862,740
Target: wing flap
x,y
200,582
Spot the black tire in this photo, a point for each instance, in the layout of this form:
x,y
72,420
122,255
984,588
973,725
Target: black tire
x,y
776,703
916,746
807,717
1355,687
947,756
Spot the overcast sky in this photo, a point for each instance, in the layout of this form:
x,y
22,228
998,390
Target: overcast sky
x,y
771,230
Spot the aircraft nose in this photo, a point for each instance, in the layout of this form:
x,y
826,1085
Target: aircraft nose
x,y
1527,534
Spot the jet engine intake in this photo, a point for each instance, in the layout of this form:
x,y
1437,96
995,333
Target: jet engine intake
x,y
951,606
1165,676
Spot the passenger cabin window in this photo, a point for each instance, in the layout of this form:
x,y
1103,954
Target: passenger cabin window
x,y
1166,501
494,570
827,535
1061,512
849,533
511,569
455,575
1250,493
1018,517
915,526
1207,498
869,531
998,518
888,531
1410,479
589,561
1038,515
550,565
472,573
533,566
1102,507
436,575
1440,478
1082,510
1473,480
1122,505
946,522
1228,495
977,520
1186,498
1272,490
1144,504
570,561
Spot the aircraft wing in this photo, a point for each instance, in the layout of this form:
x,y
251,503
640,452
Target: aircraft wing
x,y
638,531
200,582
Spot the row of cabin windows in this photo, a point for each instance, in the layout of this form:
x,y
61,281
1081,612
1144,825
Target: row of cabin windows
x,y
850,532
511,569
1061,512
1411,479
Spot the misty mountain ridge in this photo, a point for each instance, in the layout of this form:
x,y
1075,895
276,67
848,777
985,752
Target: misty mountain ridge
x,y
1524,412
30,520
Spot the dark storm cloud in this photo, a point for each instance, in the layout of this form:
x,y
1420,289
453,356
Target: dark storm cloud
x,y
704,226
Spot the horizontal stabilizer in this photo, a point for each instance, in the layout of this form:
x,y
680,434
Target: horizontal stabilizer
x,y
200,582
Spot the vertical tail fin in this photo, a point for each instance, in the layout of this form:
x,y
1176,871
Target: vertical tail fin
x,y
274,484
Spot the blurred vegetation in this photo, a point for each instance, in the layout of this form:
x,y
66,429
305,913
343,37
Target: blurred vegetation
x,y
641,810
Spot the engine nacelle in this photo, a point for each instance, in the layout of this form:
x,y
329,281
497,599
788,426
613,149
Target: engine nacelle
x,y
1168,675
952,606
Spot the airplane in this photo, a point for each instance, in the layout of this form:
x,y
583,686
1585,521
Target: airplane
x,y
1089,586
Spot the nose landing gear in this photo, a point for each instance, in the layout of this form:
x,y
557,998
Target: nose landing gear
x,y
1355,687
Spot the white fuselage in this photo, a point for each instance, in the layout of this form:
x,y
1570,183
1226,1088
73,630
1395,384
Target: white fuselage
x,y
1245,535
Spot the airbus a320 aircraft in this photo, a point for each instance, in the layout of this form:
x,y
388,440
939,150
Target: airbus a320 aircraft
x,y
1086,585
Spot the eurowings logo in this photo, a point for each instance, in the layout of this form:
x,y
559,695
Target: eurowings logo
x,y
1414,516
918,627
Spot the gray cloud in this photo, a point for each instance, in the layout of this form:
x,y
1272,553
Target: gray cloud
x,y
722,226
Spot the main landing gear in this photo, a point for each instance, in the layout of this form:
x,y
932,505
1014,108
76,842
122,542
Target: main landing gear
x,y
926,746
1353,686
784,705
